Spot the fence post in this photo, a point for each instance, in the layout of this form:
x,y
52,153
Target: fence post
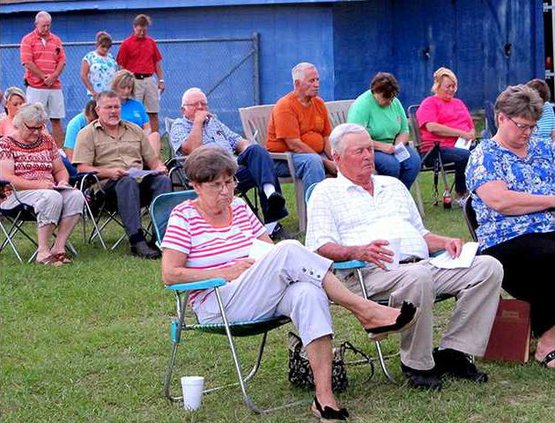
x,y
255,70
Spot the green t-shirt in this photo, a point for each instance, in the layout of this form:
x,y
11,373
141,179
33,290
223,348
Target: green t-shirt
x,y
382,123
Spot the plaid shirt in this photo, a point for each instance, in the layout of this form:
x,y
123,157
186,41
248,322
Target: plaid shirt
x,y
213,132
344,213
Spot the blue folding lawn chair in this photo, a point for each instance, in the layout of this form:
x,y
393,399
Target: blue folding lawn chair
x,y
160,211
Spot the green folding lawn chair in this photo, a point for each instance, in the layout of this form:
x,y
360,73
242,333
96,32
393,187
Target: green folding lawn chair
x,y
160,211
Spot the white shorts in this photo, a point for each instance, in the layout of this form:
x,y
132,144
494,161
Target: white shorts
x,y
52,100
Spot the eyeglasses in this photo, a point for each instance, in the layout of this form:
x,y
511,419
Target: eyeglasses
x,y
522,126
219,186
197,104
33,128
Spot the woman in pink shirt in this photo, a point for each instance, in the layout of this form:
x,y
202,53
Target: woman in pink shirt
x,y
443,119
13,99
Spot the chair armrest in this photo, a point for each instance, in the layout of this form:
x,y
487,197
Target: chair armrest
x,y
288,158
208,283
349,264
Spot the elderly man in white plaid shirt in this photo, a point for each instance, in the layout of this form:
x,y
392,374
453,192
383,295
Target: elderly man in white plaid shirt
x,y
351,217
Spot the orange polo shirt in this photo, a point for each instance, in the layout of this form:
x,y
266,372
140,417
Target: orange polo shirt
x,y
292,119
44,54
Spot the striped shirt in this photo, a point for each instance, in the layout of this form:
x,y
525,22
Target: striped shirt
x,y
546,124
207,247
45,53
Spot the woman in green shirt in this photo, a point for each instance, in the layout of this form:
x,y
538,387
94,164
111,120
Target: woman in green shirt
x,y
382,114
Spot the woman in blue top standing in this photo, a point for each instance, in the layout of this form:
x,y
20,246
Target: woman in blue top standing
x,y
133,110
99,66
512,180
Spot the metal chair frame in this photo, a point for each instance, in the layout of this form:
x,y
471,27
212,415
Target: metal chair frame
x,y
16,217
160,210
438,168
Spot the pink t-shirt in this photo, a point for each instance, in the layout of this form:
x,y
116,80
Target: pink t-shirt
x,y
450,113
208,247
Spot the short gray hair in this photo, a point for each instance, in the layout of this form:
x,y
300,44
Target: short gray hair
x,y
43,14
297,73
188,92
28,113
208,163
519,100
339,132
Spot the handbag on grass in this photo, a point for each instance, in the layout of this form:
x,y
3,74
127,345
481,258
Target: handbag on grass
x,y
300,373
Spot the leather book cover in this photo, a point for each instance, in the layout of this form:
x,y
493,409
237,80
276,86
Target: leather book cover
x,y
510,335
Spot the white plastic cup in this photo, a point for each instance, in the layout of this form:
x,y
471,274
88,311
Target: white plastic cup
x,y
395,246
192,387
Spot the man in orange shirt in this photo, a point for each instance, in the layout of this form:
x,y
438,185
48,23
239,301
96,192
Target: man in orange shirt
x,y
300,124
44,58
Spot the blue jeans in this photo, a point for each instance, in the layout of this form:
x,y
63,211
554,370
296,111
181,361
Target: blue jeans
x,y
457,156
406,171
256,168
308,166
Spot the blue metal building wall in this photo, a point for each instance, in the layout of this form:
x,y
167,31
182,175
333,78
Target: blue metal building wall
x,y
348,41
467,36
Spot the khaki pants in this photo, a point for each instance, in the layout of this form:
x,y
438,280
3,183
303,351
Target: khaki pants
x,y
476,290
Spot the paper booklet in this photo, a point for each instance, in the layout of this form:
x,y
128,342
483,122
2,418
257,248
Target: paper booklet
x,y
139,174
445,261
463,143
401,152
259,249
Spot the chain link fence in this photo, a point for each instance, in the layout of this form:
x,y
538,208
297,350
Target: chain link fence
x,y
226,69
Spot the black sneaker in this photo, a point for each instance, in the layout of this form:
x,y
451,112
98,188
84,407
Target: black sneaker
x,y
280,233
142,250
422,379
457,364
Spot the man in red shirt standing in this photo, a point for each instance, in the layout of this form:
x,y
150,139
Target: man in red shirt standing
x,y
44,58
139,54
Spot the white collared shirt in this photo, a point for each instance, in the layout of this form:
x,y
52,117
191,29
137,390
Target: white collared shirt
x,y
342,212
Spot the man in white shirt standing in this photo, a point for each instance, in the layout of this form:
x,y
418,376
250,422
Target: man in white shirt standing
x,y
351,217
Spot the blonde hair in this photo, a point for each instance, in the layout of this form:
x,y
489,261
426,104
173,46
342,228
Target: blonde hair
x,y
438,76
122,79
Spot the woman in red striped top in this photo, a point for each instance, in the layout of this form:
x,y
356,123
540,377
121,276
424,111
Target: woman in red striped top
x,y
211,237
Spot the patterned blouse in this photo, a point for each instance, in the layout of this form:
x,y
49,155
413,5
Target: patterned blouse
x,y
31,161
533,174
101,70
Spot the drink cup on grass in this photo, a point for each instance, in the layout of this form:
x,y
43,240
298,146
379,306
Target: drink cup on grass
x,y
192,391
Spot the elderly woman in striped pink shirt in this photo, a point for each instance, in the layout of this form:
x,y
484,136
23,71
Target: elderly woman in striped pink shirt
x,y
212,235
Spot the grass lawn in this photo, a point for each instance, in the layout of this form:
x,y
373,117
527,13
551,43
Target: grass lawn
x,y
89,342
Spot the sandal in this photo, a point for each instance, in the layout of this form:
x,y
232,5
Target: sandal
x,y
328,414
407,318
548,359
63,258
50,260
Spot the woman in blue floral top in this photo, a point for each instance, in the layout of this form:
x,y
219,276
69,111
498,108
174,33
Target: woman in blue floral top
x,y
512,181
99,66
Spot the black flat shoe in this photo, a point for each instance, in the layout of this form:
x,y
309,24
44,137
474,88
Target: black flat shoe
x,y
407,318
328,414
